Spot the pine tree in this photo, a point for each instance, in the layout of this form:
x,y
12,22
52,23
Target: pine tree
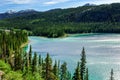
x,y
40,60
18,60
63,74
111,77
34,63
69,77
48,67
87,75
83,64
30,55
55,69
43,68
25,60
40,65
58,69
77,73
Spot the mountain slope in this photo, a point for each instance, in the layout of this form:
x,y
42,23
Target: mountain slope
x,y
54,23
91,13
11,14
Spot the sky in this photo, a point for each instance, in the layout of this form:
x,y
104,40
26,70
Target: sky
x,y
43,5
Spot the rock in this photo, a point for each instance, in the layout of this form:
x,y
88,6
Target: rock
x,y
1,74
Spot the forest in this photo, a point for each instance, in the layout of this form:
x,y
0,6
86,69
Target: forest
x,y
59,22
17,64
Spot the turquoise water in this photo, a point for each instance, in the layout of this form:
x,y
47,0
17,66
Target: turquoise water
x,y
102,51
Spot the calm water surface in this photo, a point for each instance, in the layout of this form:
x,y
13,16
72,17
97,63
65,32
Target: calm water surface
x,y
102,51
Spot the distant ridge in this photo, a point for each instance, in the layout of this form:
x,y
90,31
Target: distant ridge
x,y
11,13
86,13
89,4
103,18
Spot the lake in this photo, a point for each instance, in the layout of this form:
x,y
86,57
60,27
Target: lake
x,y
102,51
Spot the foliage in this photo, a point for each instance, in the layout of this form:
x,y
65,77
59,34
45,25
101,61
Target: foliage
x,y
18,65
58,22
12,75
4,67
83,64
77,75
111,75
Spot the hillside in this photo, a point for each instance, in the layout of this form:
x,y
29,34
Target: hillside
x,y
57,22
11,13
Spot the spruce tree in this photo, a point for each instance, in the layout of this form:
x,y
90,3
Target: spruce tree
x,y
69,77
34,63
63,74
30,55
18,60
77,73
83,64
55,69
25,60
111,77
59,69
48,67
87,75
40,60
40,65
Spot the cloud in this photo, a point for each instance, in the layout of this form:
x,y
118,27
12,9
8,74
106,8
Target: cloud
x,y
103,1
19,1
54,2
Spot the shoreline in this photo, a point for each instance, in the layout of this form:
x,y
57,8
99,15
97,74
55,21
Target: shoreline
x,y
68,35
24,44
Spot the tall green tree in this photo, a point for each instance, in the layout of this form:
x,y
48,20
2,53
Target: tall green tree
x,y
83,64
34,63
55,69
40,65
48,71
111,75
77,73
48,67
69,77
18,60
30,55
63,75
40,60
87,75
59,69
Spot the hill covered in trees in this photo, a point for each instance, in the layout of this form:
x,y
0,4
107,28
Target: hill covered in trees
x,y
11,13
58,22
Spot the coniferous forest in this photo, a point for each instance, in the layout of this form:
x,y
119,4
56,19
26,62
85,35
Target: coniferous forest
x,y
55,23
17,64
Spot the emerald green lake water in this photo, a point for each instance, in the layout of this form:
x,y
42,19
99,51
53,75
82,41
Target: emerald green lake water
x,y
102,51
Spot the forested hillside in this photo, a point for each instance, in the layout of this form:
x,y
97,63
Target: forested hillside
x,y
58,22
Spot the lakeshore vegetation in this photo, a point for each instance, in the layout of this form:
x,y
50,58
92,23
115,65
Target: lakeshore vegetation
x,y
16,64
58,22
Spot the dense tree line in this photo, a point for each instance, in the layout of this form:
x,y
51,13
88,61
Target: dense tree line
x,y
10,44
14,61
43,69
58,22
16,64
53,29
